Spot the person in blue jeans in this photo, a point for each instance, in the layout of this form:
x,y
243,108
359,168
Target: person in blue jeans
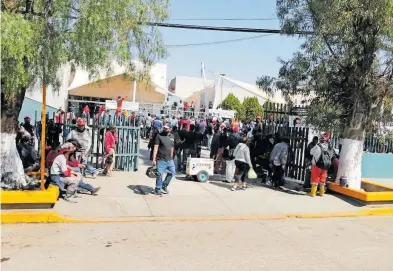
x,y
163,159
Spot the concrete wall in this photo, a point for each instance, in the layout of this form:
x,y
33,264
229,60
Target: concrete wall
x,y
377,165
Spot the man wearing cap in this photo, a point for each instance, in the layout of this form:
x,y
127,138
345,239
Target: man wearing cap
x,y
27,125
82,135
321,161
163,159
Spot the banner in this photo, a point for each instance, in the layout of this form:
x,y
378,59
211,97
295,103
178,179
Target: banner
x,y
228,114
129,106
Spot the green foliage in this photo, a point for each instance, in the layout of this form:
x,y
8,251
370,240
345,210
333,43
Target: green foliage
x,y
347,61
87,33
231,102
251,108
325,117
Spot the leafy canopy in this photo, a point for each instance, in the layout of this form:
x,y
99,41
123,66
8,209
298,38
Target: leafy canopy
x,y
346,64
251,108
247,110
44,34
231,102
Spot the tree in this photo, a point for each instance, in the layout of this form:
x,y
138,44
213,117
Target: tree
x,y
251,108
39,36
231,102
346,60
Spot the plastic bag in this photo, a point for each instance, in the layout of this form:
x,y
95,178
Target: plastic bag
x,y
251,174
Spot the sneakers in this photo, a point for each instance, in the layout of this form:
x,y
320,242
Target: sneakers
x,y
94,175
164,190
158,192
233,188
95,191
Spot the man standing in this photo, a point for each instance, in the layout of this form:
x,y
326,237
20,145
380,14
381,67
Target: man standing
x,y
163,158
321,162
190,145
157,123
278,160
308,159
82,135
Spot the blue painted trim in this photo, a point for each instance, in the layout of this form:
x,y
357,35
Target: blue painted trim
x,y
377,165
30,107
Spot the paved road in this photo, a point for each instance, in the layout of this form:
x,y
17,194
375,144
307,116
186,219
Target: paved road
x,y
319,244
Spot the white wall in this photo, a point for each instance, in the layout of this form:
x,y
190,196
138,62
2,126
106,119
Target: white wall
x,y
53,99
186,86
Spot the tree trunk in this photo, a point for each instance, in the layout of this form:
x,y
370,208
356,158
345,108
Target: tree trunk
x,y
12,173
352,152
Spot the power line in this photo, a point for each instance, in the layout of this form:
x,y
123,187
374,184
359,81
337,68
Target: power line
x,y
227,29
217,42
224,19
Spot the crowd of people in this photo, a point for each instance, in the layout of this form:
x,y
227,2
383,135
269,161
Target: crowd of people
x,y
236,147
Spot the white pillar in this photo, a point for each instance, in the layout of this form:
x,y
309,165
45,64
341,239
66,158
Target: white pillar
x,y
134,92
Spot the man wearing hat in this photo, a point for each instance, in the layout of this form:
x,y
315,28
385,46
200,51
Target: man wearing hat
x,y
163,159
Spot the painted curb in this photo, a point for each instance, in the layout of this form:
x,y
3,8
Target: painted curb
x,y
53,217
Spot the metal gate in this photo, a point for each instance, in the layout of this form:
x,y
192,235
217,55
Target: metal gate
x,y
127,145
276,121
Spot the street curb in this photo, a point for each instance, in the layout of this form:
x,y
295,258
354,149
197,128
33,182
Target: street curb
x,y
22,217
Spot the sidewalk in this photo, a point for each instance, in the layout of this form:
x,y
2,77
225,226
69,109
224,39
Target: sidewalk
x,y
129,194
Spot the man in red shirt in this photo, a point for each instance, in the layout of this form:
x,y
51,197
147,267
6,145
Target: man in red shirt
x,y
86,112
185,107
184,122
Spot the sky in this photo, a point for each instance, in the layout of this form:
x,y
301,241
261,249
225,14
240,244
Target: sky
x,y
242,60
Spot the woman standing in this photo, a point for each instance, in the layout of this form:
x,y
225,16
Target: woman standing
x,y
243,164
110,143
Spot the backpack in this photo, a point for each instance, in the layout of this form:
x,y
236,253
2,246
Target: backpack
x,y
325,160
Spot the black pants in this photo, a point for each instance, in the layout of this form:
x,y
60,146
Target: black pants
x,y
242,171
177,153
278,176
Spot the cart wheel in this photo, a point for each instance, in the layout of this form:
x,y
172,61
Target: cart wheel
x,y
202,176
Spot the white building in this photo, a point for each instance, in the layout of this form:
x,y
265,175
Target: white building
x,y
79,86
200,91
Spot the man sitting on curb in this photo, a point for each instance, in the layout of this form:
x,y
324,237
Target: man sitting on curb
x,y
163,158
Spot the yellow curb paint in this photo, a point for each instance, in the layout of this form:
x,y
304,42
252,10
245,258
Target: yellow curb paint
x,y
48,196
15,217
386,196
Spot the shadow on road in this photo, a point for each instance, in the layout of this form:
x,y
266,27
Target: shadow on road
x,y
141,189
221,184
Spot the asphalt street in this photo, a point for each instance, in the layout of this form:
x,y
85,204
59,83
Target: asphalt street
x,y
364,243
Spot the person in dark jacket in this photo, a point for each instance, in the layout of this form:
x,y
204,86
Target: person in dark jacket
x,y
199,140
190,145
214,143
27,154
222,144
178,147
150,146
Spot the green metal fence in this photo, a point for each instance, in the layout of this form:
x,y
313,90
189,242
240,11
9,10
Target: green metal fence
x,y
127,145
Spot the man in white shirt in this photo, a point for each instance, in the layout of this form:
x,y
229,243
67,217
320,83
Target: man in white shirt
x,y
278,161
61,174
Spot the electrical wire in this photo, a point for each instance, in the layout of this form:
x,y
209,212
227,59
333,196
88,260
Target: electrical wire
x,y
224,19
227,29
218,42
